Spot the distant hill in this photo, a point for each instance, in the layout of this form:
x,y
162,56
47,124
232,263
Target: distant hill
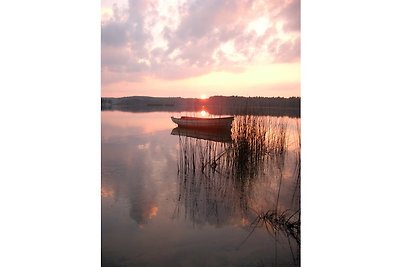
x,y
217,105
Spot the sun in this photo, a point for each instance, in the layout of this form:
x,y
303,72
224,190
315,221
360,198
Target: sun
x,y
203,96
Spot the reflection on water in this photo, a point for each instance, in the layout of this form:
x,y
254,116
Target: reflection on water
x,y
201,198
242,181
218,135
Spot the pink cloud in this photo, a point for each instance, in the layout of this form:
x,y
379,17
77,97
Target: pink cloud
x,y
152,39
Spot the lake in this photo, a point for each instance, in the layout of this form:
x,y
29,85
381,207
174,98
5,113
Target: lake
x,y
187,198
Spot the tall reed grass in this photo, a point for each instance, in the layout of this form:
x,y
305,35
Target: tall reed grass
x,y
217,181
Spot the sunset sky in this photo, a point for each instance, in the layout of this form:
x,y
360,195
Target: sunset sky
x,y
205,47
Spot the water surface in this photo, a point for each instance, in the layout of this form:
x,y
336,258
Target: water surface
x,y
170,200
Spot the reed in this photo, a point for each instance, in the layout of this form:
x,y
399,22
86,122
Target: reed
x,y
253,137
202,192
258,135
216,180
284,222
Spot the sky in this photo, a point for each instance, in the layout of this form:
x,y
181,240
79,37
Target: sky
x,y
194,48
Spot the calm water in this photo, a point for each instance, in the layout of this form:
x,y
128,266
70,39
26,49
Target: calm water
x,y
171,200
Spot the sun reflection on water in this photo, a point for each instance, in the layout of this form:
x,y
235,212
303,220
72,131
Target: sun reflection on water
x,y
153,212
107,192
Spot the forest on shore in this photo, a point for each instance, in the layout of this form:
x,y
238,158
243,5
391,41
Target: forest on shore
x,y
217,105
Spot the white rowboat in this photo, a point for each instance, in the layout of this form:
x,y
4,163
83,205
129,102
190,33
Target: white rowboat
x,y
195,122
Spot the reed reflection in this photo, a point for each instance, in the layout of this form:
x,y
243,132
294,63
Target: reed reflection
x,y
248,180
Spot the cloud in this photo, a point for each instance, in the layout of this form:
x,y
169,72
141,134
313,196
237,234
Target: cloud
x,y
285,51
180,39
291,15
114,34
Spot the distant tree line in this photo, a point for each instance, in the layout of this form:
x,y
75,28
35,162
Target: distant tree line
x,y
234,105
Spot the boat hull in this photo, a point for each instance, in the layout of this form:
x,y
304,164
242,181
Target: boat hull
x,y
207,123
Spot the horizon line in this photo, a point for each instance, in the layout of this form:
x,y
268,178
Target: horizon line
x,y
198,97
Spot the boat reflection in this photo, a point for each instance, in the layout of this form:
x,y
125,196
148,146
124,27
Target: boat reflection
x,y
222,135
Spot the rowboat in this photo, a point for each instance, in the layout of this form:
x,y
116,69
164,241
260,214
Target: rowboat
x,y
195,122
216,135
